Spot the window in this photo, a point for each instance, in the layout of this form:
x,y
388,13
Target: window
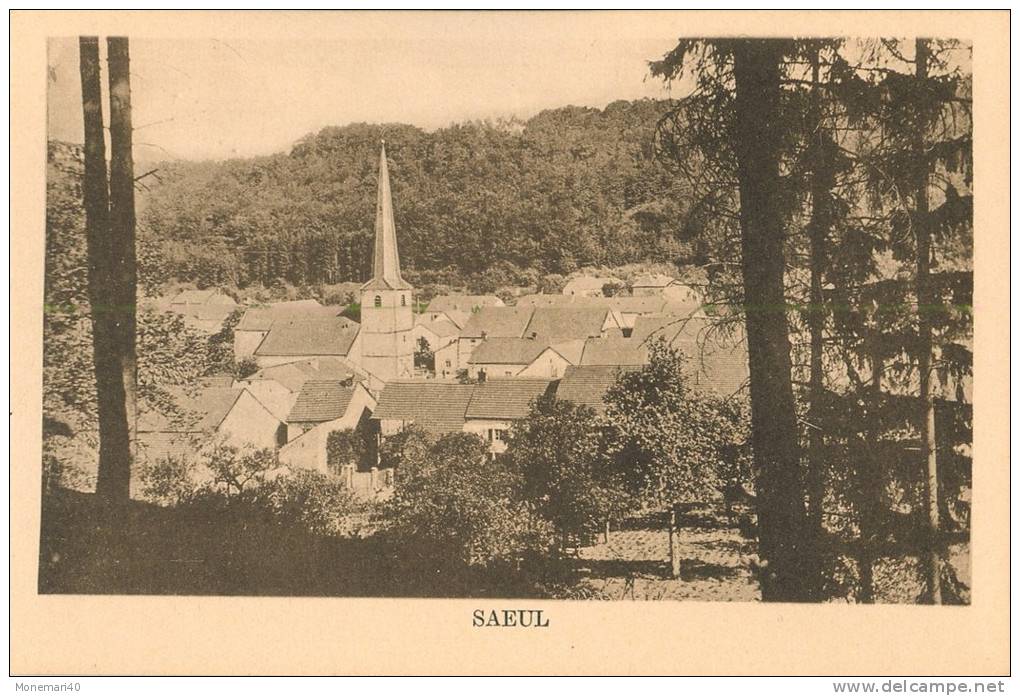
x,y
403,300
448,364
497,434
378,301
508,373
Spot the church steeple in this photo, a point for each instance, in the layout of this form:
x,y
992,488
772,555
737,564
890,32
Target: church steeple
x,y
386,260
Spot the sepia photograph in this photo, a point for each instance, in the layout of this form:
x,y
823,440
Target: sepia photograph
x,y
510,313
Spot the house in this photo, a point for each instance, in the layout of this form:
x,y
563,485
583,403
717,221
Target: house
x,y
437,407
546,300
588,286
523,357
458,308
323,406
570,323
586,385
233,415
301,339
437,333
257,321
205,310
278,386
446,359
491,322
663,285
613,352
495,404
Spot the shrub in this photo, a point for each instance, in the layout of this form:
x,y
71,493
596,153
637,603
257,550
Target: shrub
x,y
169,480
344,447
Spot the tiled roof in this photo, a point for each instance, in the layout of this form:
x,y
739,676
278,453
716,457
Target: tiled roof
x,y
194,296
293,375
262,318
462,303
640,304
566,322
332,336
586,385
438,407
505,399
510,351
614,351
570,350
458,317
320,401
498,322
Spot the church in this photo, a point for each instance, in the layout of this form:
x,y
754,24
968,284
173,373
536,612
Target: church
x,y
387,319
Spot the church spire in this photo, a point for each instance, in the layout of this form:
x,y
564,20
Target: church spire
x,y
386,261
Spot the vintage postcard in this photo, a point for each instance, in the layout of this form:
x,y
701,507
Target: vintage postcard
x,y
509,342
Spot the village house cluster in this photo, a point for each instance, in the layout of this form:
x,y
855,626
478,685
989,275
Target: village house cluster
x,y
320,371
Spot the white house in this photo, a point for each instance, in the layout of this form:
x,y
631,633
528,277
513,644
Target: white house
x,y
458,308
495,404
588,286
323,406
523,357
204,310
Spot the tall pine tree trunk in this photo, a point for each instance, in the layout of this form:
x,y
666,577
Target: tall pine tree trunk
x,y
925,306
784,546
122,222
113,477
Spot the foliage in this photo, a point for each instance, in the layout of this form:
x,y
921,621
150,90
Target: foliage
x,y
457,506
671,443
559,450
246,367
344,447
424,356
409,447
310,500
236,467
168,481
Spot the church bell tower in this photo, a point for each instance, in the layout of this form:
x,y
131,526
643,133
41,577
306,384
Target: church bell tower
x,y
387,348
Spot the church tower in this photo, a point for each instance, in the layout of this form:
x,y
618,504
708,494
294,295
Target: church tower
x,y
387,348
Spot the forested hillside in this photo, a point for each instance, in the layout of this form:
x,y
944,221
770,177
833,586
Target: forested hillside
x,y
569,187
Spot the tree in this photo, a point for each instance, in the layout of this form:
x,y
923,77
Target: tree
x,y
236,467
344,447
670,443
424,357
558,449
112,309
456,506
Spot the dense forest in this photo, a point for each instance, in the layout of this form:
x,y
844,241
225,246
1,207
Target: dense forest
x,y
567,188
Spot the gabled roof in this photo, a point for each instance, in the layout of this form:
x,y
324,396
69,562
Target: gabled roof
x,y
262,318
202,411
509,351
614,351
586,385
498,322
506,399
293,375
332,336
320,401
462,303
438,407
637,304
440,327
567,322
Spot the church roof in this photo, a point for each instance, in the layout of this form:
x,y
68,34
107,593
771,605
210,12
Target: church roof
x,y
386,260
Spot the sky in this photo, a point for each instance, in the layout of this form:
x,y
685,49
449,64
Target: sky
x,y
235,96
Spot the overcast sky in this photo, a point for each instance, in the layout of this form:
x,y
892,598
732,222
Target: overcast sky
x,y
218,98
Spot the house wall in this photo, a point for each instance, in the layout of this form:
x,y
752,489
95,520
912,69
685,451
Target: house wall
x,y
465,347
249,423
273,360
495,369
448,353
245,343
549,364
307,448
492,431
273,395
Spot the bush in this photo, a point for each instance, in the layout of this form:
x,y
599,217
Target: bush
x,y
344,447
313,501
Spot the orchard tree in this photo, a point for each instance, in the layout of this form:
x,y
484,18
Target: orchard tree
x,y
670,443
559,450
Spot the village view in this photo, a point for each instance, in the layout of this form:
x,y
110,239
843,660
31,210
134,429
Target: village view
x,y
665,350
